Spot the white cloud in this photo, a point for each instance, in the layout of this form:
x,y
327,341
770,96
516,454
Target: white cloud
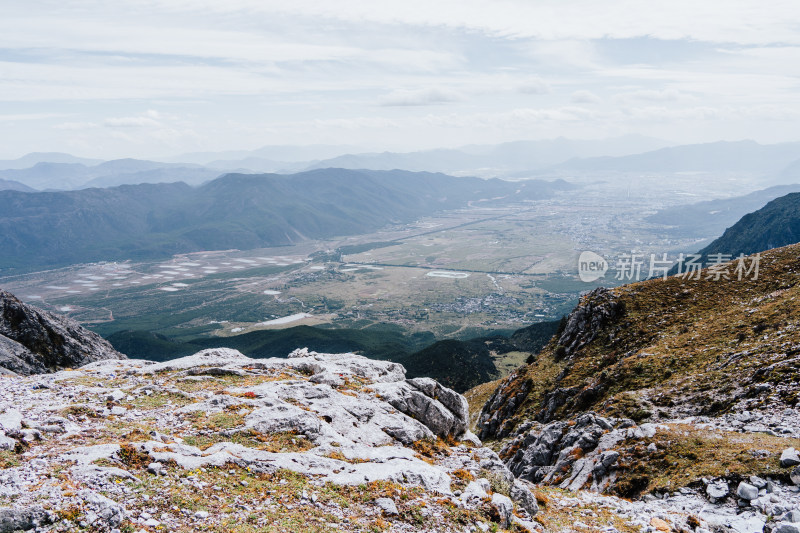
x,y
653,95
148,119
534,86
585,97
420,97
249,71
76,126
16,117
744,21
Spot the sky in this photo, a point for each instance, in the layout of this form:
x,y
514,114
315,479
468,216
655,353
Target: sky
x,y
154,78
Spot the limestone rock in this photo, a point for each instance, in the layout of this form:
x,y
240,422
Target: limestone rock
x,y
717,491
598,309
34,341
504,507
443,411
387,506
524,497
565,450
790,457
795,475
24,519
746,491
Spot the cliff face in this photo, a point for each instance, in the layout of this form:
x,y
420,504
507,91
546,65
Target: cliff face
x,y
34,341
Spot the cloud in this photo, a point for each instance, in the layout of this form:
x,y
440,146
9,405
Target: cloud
x,y
236,72
420,97
76,126
743,22
585,97
651,95
149,119
534,86
16,117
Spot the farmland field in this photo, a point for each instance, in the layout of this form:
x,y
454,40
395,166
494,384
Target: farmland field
x,y
457,274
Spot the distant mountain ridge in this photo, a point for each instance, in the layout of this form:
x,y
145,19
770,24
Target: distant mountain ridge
x,y
496,160
235,211
11,185
739,156
775,225
57,171
29,160
713,217
74,175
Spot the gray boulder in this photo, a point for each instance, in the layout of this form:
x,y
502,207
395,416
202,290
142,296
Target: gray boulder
x,y
795,475
504,507
524,497
717,491
102,513
7,443
387,506
34,341
558,448
442,410
22,519
746,491
790,457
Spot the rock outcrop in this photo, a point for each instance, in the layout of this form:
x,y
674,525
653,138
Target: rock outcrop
x,y
34,341
226,438
597,310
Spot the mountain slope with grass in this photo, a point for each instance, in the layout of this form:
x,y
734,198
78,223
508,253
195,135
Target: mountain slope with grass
x,y
665,385
774,225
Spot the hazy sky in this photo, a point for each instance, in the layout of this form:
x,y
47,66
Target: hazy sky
x,y
148,78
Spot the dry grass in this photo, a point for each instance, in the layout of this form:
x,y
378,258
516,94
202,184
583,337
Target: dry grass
x,y
9,459
686,454
565,519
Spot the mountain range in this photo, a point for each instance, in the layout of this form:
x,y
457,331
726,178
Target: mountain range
x,y
772,164
234,211
46,175
723,156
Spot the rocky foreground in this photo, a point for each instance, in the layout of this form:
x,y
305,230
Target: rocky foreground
x,y
221,442
316,442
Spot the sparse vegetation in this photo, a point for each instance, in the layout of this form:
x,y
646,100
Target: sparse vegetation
x,y
685,454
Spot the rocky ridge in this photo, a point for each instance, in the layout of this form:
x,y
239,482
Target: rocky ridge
x,y
680,393
34,341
